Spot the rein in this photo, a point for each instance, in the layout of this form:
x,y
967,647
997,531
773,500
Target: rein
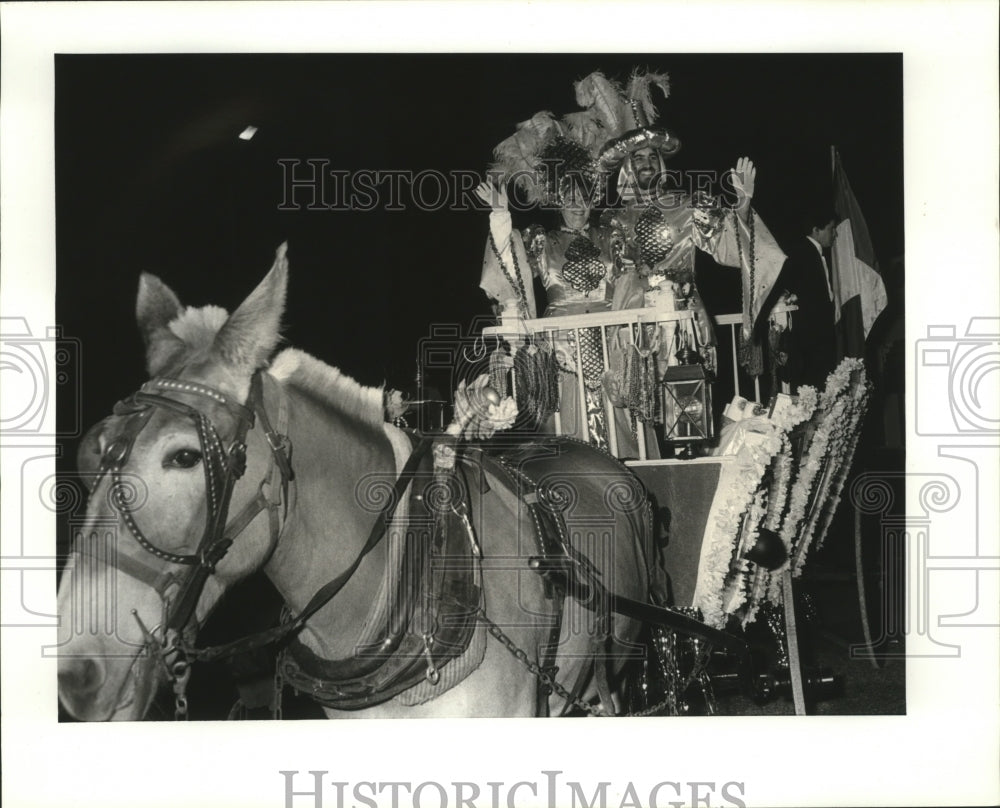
x,y
328,591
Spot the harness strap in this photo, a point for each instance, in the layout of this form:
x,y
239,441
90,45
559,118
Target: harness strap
x,y
591,592
423,640
280,472
193,585
249,512
222,468
599,659
552,540
159,580
580,683
213,549
281,447
329,590
239,411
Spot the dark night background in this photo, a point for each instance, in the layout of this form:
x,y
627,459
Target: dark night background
x,y
150,176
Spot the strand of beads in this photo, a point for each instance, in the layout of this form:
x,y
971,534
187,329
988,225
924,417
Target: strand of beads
x,y
751,356
515,283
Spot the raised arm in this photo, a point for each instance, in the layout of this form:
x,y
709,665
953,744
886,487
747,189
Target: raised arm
x,y
743,179
493,196
506,276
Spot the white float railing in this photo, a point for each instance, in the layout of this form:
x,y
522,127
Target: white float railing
x,y
735,322
672,323
551,327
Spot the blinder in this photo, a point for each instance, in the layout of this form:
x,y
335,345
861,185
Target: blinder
x,y
222,467
223,462
89,456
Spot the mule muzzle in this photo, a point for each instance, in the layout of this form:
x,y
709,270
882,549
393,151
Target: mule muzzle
x,y
80,680
108,689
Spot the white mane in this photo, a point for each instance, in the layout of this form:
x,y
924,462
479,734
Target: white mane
x,y
198,328
308,372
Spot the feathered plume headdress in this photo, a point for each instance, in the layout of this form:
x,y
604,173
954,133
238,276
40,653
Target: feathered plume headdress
x,y
634,128
547,155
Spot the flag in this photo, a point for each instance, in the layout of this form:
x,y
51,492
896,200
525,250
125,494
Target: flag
x,y
858,289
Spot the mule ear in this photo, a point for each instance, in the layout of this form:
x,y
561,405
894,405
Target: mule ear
x,y
252,331
155,306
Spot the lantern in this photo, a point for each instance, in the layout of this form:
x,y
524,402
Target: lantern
x,y
687,405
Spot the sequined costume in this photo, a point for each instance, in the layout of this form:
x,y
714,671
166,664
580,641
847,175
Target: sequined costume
x,y
660,233
576,269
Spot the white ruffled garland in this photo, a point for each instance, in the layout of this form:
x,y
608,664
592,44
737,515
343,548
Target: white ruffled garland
x,y
837,487
718,560
727,580
737,588
843,442
835,432
753,581
802,410
724,580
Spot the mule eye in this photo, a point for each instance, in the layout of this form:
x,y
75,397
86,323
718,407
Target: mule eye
x,y
184,459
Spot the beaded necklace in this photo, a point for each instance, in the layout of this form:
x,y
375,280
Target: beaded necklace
x,y
518,287
500,363
739,247
751,355
638,381
537,375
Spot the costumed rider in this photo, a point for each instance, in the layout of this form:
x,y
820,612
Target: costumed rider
x,y
659,224
555,171
552,163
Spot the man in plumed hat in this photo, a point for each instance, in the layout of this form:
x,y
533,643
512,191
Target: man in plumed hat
x,y
659,224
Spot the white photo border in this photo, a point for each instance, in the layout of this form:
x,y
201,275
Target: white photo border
x,y
942,752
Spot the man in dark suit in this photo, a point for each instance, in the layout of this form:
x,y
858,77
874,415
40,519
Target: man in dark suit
x,y
811,342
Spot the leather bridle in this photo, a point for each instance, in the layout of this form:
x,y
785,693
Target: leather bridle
x,y
224,463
